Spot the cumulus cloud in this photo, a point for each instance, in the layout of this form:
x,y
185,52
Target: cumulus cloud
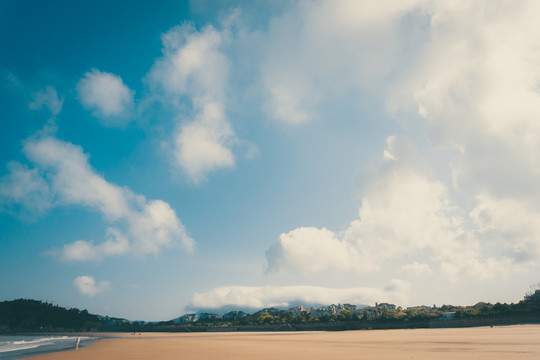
x,y
405,214
253,297
63,176
471,71
87,285
310,249
47,98
193,67
201,145
107,96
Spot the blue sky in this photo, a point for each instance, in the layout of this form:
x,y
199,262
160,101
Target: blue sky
x,y
179,156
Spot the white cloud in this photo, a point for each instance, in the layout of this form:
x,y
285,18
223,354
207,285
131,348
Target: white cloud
x,y
194,67
253,297
512,224
319,51
25,187
405,215
47,98
107,95
310,249
141,226
116,243
471,70
416,269
86,285
477,85
201,145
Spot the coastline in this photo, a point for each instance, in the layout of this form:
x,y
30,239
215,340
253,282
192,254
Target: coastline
x,y
497,343
18,346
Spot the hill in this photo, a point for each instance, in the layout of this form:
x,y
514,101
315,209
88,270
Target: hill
x,y
23,315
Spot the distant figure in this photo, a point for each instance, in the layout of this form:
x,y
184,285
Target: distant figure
x,y
78,341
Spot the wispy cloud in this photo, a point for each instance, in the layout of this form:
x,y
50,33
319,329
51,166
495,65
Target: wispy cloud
x,y
24,189
47,98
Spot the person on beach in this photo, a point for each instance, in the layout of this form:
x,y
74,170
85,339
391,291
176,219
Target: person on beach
x,y
78,341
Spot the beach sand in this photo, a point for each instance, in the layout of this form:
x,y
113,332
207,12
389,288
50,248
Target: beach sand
x,y
500,342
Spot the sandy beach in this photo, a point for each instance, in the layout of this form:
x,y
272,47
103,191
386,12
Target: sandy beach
x,y
504,342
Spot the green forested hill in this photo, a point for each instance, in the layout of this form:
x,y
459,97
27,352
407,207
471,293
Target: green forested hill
x,y
31,315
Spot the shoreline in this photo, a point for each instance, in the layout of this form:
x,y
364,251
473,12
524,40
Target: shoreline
x,y
497,343
15,346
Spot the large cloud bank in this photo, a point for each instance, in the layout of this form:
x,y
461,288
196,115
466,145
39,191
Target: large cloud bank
x,y
405,215
473,79
256,298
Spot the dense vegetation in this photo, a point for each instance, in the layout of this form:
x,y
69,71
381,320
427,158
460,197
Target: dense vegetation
x,y
382,315
31,315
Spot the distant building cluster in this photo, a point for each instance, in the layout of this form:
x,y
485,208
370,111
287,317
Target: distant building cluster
x,y
379,311
294,311
191,318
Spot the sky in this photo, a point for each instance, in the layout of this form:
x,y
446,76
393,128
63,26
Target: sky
x,y
179,156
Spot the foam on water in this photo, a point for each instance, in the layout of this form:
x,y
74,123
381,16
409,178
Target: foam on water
x,y
18,346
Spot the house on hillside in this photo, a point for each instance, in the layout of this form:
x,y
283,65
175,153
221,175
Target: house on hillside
x,y
386,306
322,311
480,305
368,312
352,308
234,315
188,318
299,310
449,315
208,316
422,307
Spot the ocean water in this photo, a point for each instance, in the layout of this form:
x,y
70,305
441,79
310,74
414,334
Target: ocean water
x,y
20,346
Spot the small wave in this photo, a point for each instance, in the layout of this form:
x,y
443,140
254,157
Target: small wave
x,y
25,344
53,338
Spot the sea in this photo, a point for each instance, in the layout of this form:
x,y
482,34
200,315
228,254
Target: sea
x,y
20,346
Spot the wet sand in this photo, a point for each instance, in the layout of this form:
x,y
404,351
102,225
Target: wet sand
x,y
500,342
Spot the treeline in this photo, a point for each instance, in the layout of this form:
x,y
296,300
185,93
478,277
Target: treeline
x,y
37,316
528,306
370,317
34,316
